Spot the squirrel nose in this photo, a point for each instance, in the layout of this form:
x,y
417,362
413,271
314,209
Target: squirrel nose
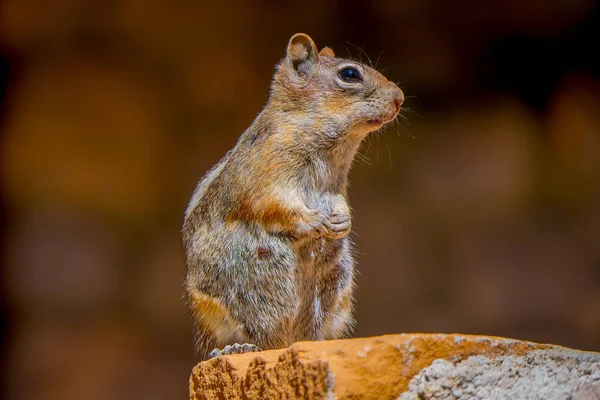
x,y
398,97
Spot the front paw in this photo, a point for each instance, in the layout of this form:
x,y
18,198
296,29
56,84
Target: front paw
x,y
340,222
314,224
319,224
339,225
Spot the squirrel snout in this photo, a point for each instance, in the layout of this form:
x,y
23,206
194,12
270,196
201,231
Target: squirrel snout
x,y
398,97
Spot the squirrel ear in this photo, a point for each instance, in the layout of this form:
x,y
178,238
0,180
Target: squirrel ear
x,y
326,52
302,53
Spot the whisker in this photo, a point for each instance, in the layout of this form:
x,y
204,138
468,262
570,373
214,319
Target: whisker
x,y
380,54
362,52
413,112
362,47
386,68
368,143
350,56
389,155
363,158
406,131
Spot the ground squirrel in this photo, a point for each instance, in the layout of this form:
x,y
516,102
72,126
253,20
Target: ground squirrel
x,y
265,233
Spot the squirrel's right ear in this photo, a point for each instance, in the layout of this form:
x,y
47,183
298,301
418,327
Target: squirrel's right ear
x,y
326,52
302,54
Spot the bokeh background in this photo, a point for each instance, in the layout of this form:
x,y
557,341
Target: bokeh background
x,y
477,213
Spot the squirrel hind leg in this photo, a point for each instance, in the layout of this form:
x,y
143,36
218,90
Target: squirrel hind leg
x,y
236,348
213,324
341,323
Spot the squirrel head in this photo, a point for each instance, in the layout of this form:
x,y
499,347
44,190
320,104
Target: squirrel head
x,y
331,97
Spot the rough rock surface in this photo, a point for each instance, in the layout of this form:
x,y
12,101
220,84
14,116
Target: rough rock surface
x,y
541,374
404,367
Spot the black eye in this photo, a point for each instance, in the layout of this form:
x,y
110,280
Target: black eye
x,y
350,74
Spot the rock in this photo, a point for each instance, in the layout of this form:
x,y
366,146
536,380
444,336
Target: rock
x,y
403,367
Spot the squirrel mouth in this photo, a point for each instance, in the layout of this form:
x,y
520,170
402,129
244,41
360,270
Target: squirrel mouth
x,y
377,121
384,118
381,120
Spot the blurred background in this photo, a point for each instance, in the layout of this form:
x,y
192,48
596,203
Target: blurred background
x,y
477,213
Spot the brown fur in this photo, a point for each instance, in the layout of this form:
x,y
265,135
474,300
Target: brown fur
x,y
265,234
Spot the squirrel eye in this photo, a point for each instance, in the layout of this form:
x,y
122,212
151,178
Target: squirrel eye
x,y
350,74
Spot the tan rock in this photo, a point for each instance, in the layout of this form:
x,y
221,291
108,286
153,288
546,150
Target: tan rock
x,y
375,368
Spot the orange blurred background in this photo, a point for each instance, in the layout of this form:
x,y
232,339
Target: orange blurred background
x,y
479,213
